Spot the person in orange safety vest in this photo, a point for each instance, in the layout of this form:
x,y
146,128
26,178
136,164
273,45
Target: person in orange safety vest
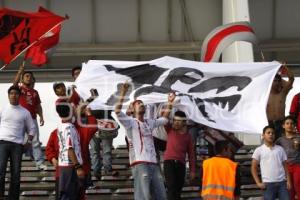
x,y
221,178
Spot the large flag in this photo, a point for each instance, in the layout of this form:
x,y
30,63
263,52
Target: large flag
x,y
222,36
38,52
20,30
226,96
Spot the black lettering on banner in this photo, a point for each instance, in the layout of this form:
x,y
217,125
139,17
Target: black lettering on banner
x,y
140,75
149,74
222,84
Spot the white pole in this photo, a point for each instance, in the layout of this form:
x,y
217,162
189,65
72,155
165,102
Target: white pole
x,y
233,11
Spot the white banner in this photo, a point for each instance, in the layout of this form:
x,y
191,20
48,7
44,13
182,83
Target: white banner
x,y
226,96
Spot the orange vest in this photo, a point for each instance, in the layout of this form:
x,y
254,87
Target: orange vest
x,y
218,178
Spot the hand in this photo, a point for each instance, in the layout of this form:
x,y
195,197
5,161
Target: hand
x,y
129,110
261,186
27,145
54,162
80,173
171,97
124,87
42,121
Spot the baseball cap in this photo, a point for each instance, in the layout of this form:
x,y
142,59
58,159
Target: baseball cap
x,y
56,84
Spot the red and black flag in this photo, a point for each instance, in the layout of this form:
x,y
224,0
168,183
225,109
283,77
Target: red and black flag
x,y
20,31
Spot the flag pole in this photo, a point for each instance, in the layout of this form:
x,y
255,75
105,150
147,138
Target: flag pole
x,y
262,55
3,67
33,43
260,52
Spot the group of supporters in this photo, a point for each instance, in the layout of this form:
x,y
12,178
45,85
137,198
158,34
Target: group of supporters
x,y
68,148
279,155
74,146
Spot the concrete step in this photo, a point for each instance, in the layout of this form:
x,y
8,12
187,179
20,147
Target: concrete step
x,y
35,186
39,185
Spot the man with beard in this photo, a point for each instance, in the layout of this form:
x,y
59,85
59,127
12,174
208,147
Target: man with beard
x,y
148,181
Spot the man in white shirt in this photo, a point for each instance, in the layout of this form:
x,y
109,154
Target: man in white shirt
x,y
14,121
148,181
273,167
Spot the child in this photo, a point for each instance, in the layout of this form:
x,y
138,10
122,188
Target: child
x,y
63,96
69,157
290,143
273,167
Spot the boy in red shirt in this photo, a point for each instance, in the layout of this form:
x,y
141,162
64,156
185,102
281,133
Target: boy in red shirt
x,y
30,100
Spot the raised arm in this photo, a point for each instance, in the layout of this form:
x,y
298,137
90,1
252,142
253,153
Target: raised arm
x,y
119,104
168,108
19,74
290,75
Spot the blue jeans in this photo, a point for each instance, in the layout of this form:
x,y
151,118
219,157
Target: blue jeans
x,y
36,150
196,134
36,146
12,151
277,189
69,184
96,157
148,182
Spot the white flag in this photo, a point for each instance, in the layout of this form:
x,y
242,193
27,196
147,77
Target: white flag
x,y
226,96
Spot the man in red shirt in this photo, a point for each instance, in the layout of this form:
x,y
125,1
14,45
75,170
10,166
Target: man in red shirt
x,y
295,110
30,100
179,143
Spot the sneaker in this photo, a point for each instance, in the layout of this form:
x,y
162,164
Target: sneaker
x,y
92,187
42,167
111,173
